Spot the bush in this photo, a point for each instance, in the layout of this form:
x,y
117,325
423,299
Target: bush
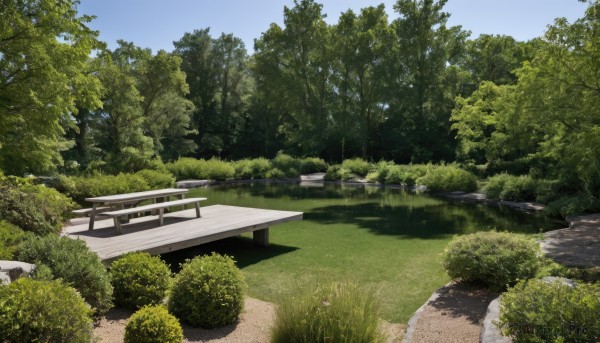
x,y
446,178
287,164
313,165
357,166
139,279
81,187
153,324
43,311
572,205
337,172
72,261
207,292
10,238
591,275
215,169
334,313
157,179
400,175
495,184
539,311
275,174
186,168
257,168
494,259
33,208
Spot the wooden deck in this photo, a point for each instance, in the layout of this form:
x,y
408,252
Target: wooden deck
x,y
181,230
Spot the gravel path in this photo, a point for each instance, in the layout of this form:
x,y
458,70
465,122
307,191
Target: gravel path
x,y
455,315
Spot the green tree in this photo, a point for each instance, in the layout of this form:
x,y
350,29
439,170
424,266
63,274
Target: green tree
x,y
362,49
427,80
292,68
44,47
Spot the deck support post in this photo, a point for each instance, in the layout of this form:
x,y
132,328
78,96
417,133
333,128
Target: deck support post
x,y
261,237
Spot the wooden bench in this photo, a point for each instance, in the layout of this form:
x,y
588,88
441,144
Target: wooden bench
x,y
152,207
86,212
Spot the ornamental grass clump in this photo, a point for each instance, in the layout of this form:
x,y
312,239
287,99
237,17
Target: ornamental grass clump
x,y
542,311
153,324
494,259
208,292
289,165
357,166
331,313
447,178
43,311
139,279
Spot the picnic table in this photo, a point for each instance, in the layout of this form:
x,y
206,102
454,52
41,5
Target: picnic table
x,y
124,204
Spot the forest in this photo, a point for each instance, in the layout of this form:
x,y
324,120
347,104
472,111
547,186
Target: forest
x,y
409,90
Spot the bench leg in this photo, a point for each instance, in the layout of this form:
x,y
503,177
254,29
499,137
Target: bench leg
x,y
198,210
118,225
160,216
261,237
92,217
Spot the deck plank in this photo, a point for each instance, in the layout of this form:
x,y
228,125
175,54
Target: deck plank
x,y
181,229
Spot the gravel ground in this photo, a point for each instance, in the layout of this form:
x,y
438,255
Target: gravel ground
x,y
253,327
455,316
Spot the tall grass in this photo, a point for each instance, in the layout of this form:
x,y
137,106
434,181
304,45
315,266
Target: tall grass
x,y
331,313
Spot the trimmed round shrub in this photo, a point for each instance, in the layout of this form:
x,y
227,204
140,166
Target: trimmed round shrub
x,y
313,165
540,311
494,259
333,313
73,262
357,166
139,279
208,292
43,311
153,324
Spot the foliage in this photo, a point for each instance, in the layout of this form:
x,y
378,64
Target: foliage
x,y
357,166
445,178
153,324
331,313
33,208
257,168
275,173
208,292
139,279
539,311
572,205
494,259
508,187
337,172
73,262
289,165
43,80
185,168
312,165
157,179
213,169
10,238
43,311
590,275
81,187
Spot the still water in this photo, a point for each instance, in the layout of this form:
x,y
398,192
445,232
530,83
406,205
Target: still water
x,y
386,239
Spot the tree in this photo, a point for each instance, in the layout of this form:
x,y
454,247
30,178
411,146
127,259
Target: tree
x,y
44,47
427,80
362,50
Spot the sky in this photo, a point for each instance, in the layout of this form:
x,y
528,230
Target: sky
x,y
155,24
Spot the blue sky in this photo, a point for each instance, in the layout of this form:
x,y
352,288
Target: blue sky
x,y
156,24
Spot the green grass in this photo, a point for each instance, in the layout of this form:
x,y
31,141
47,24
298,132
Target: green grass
x,y
383,239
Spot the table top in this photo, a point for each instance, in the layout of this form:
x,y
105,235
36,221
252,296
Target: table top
x,y
118,198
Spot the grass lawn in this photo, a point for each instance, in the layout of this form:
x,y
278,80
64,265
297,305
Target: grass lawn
x,y
386,240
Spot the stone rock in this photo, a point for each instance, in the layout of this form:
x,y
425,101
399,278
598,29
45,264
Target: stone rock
x,y
12,270
490,333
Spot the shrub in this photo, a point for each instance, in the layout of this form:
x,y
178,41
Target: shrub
x,y
34,208
584,274
495,184
243,170
81,187
153,324
287,164
139,279
10,238
313,165
333,313
275,174
43,311
494,259
215,169
337,172
571,205
446,178
257,168
72,261
400,175
157,179
539,311
207,292
186,168
357,166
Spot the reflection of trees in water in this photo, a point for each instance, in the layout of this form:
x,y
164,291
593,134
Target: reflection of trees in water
x,y
384,210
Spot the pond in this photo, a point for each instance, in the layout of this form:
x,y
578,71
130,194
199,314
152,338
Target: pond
x,y
388,240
